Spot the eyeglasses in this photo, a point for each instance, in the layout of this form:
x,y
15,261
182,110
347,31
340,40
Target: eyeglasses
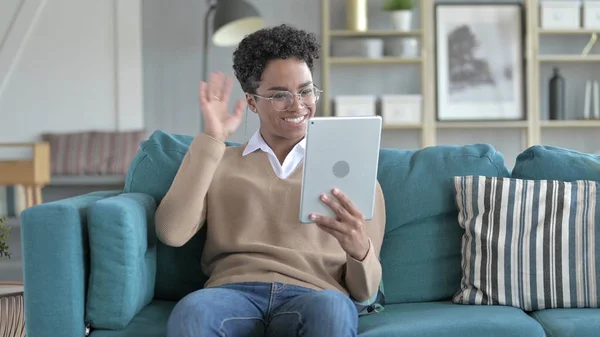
x,y
284,100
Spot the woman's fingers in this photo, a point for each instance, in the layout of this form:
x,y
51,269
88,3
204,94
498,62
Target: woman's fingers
x,y
337,208
215,84
326,222
214,96
226,88
240,106
203,93
347,203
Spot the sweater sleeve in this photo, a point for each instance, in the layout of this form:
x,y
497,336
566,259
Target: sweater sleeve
x,y
182,211
363,277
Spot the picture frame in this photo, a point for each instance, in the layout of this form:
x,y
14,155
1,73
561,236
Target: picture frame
x,y
480,61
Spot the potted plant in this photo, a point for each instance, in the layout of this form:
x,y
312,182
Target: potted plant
x,y
401,13
4,233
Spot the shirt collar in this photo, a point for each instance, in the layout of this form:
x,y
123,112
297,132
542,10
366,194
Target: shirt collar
x,y
256,142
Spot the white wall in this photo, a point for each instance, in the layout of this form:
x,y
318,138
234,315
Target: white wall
x,y
69,65
172,38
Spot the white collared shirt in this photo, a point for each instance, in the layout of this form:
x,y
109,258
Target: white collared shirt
x,y
293,159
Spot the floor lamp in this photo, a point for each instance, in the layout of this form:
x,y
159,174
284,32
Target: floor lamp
x,y
233,19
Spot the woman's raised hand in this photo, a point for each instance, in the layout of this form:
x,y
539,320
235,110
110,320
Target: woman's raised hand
x,y
214,102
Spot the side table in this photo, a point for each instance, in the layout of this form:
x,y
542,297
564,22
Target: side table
x,y
12,313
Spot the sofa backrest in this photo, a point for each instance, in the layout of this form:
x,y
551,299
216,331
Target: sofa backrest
x,y
421,249
421,252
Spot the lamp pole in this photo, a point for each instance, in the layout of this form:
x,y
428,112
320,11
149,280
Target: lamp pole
x,y
232,20
212,6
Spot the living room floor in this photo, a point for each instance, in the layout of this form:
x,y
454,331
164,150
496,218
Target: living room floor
x,y
12,269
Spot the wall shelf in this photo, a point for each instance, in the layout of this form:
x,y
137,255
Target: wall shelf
x,y
364,60
530,129
567,31
425,62
482,125
571,124
373,33
402,126
568,58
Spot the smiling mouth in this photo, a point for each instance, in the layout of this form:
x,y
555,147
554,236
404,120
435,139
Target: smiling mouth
x,y
295,120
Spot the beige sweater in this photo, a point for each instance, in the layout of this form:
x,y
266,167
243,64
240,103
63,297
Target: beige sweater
x,y
253,232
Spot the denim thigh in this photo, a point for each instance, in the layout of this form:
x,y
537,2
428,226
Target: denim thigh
x,y
236,310
302,312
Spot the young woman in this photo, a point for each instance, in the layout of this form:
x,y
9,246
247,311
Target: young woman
x,y
269,274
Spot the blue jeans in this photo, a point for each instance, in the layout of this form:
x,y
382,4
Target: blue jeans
x,y
263,309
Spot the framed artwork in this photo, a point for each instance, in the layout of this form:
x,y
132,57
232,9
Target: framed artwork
x,y
480,61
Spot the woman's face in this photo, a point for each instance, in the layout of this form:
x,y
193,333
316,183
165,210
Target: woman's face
x,y
285,116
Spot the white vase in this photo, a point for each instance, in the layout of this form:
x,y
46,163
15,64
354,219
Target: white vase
x,y
402,20
410,47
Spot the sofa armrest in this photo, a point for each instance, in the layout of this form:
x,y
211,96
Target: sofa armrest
x,y
122,259
56,264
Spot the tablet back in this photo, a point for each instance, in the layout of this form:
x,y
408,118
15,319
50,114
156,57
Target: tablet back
x,y
341,152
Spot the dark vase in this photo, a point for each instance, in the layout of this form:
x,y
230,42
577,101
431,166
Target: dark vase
x,y
556,95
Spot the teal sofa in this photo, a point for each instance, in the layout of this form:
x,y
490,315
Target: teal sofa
x,y
93,265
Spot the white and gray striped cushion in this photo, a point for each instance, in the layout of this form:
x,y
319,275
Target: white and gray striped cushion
x,y
531,244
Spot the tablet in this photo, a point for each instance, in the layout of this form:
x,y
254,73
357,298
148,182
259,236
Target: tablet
x,y
343,153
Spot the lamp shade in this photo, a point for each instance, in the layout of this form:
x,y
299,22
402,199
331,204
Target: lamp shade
x,y
233,20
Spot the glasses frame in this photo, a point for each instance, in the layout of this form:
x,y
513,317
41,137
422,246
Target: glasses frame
x,y
316,89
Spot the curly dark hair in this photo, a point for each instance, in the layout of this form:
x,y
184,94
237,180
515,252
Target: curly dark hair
x,y
280,42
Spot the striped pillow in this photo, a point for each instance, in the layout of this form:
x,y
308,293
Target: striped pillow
x,y
112,152
69,152
531,244
93,152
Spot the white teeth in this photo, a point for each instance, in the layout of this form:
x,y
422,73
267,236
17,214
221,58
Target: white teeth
x,y
294,120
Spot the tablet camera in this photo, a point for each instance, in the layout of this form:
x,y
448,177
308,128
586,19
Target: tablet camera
x,y
341,169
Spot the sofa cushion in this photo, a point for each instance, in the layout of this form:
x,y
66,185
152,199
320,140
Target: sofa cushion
x,y
421,249
150,322
54,238
157,161
413,319
554,163
570,322
122,244
179,270
531,244
446,319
